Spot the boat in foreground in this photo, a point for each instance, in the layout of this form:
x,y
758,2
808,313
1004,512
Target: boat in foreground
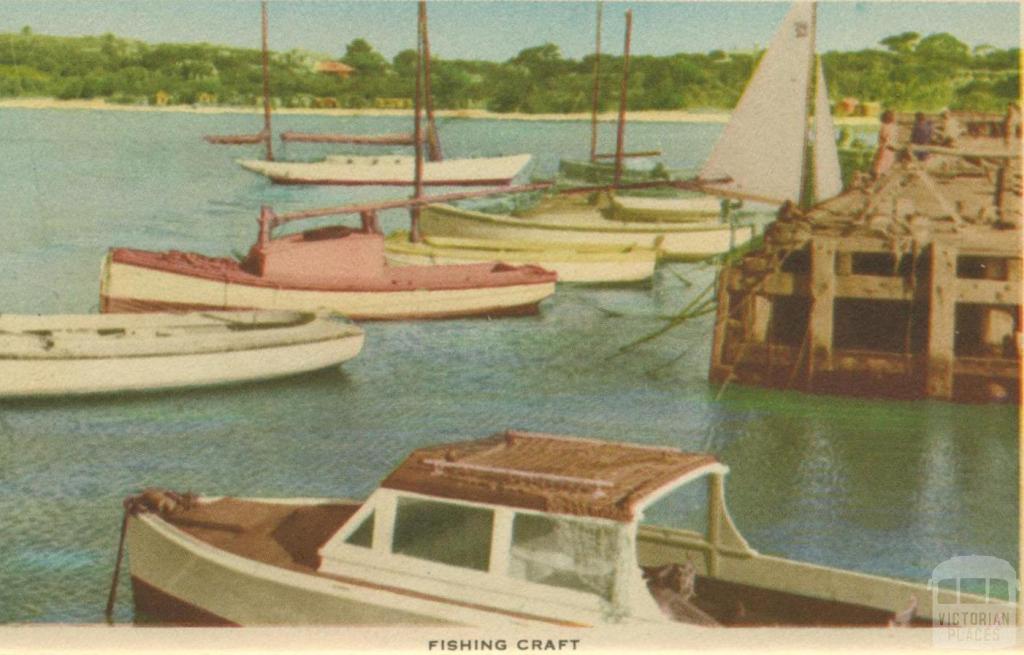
x,y
514,529
578,265
65,355
335,268
570,222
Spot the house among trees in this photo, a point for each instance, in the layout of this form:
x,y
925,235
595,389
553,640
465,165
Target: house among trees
x,y
161,98
846,107
343,71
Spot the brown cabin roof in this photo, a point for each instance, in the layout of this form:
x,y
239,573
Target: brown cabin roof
x,y
545,472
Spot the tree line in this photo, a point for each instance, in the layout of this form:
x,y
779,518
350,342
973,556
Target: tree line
x,y
906,72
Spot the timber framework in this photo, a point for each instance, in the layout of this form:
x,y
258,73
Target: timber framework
x,y
908,285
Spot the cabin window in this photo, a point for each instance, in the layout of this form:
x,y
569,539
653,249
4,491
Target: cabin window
x,y
685,508
564,552
443,532
363,535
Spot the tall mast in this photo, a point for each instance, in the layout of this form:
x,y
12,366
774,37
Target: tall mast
x,y
267,135
621,135
417,132
807,158
433,141
597,86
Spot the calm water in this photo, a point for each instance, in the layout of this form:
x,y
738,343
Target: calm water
x,y
884,487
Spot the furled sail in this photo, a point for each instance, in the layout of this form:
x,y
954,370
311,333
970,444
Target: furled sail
x,y
828,180
761,151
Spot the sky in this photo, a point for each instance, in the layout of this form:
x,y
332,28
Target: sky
x,y
498,29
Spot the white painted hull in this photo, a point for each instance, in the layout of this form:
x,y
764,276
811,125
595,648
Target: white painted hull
x,y
693,209
82,363
245,592
671,241
390,170
125,282
572,266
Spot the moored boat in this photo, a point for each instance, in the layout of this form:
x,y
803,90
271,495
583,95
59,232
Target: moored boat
x,y
391,170
573,264
375,170
578,222
66,355
517,529
335,268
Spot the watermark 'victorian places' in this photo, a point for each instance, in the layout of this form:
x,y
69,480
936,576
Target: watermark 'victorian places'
x,y
982,612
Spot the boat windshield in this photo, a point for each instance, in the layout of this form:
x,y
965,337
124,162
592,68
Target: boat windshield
x,y
564,552
685,508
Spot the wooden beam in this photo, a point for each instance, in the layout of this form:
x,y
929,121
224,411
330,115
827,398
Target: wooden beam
x,y
942,323
989,292
823,295
721,323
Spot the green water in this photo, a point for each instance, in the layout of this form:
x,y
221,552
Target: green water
x,y
883,487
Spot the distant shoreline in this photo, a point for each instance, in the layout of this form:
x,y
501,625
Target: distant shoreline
x,y
675,116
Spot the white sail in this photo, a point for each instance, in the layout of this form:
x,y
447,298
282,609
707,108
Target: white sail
x,y
828,181
762,148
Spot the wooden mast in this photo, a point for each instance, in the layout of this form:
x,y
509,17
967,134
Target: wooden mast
x,y
621,132
414,211
268,136
597,86
433,141
806,198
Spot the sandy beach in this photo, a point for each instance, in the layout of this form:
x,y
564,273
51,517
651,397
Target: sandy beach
x,y
634,116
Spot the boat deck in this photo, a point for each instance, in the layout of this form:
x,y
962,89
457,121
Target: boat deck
x,y
388,279
278,534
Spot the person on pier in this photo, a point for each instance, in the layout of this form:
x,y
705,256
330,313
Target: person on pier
x,y
887,137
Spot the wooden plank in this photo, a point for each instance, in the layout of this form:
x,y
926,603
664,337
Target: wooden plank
x,y
873,287
993,367
823,294
721,323
942,295
988,292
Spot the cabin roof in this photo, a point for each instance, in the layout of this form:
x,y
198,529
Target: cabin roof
x,y
546,472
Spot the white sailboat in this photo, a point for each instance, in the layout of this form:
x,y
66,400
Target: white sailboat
x,y
762,156
376,170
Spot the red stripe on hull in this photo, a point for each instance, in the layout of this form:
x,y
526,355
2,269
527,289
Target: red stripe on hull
x,y
114,305
473,182
154,605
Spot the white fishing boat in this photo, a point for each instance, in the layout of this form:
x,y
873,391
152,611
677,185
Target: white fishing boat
x,y
762,156
80,354
517,529
573,264
391,170
374,170
581,222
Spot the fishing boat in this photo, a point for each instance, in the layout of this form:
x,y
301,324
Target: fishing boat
x,y
337,268
374,170
577,222
82,354
516,529
769,124
391,170
574,264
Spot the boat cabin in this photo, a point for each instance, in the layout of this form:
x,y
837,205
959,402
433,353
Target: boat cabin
x,y
534,522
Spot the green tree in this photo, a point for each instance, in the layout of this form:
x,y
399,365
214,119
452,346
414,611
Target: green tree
x,y
901,43
360,55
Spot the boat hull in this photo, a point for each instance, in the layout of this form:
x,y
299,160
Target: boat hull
x,y
691,209
391,170
182,580
128,287
684,241
599,266
106,368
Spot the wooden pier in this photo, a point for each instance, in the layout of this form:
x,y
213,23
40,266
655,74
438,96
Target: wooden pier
x,y
908,286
